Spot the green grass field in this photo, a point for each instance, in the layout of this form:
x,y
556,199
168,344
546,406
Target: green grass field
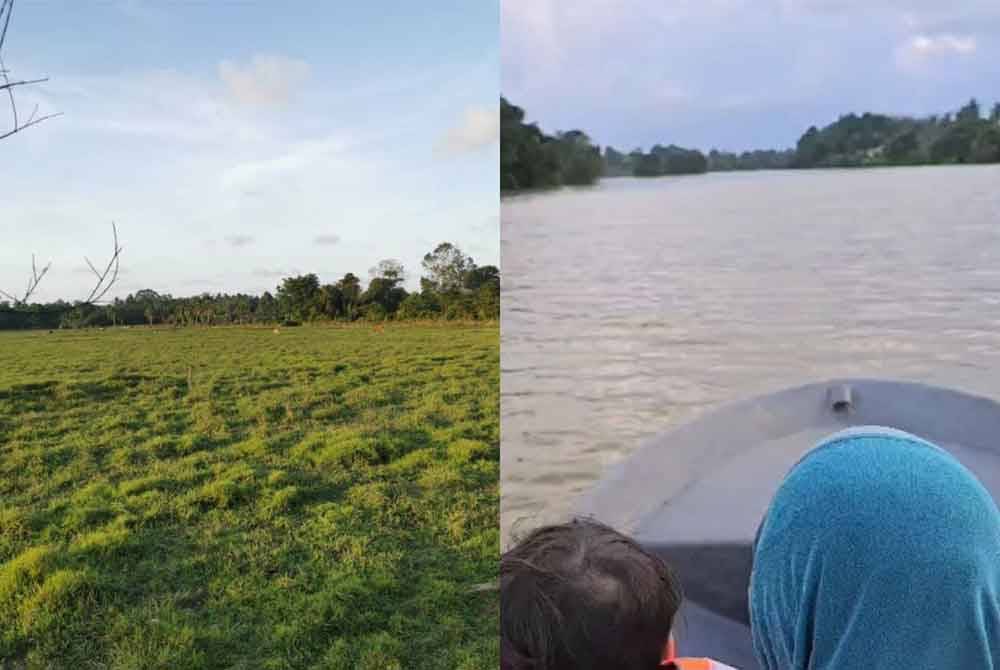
x,y
322,497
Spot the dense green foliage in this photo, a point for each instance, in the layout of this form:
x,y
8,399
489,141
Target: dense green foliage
x,y
531,159
658,162
453,287
323,497
618,164
767,159
875,139
668,160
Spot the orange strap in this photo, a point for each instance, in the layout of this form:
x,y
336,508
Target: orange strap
x,y
692,663
670,659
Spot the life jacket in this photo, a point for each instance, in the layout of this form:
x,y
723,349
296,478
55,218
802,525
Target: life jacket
x,y
672,662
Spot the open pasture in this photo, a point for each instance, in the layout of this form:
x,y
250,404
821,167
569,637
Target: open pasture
x,y
317,497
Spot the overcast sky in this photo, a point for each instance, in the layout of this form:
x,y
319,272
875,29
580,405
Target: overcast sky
x,y
740,74
236,142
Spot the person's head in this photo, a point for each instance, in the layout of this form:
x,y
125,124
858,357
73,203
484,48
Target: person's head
x,y
582,596
879,549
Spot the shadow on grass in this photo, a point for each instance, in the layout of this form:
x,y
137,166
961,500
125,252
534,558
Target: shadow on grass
x,y
395,443
33,397
99,391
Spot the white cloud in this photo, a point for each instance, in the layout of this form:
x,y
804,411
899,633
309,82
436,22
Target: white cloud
x,y
922,10
238,241
921,48
669,93
490,223
154,105
327,240
251,174
478,128
943,44
202,281
266,80
275,272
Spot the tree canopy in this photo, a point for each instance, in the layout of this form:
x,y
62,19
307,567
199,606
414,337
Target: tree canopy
x,y
670,160
876,139
529,158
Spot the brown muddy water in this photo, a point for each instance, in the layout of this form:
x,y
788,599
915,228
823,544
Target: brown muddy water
x,y
636,305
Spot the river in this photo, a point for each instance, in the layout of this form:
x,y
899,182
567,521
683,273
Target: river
x,y
635,305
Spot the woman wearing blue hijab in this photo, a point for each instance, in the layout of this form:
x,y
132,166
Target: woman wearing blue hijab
x,y
879,550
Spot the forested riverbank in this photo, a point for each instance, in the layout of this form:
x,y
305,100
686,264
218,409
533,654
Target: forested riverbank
x,y
532,159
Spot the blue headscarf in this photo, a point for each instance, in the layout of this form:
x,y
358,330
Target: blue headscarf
x,y
879,550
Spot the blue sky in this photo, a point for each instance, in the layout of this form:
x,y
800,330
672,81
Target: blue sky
x,y
236,142
741,74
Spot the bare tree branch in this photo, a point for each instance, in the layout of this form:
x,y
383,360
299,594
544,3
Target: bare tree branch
x,y
33,282
6,8
105,279
24,82
18,129
104,283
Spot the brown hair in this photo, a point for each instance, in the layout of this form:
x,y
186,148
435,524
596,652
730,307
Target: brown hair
x,y
582,596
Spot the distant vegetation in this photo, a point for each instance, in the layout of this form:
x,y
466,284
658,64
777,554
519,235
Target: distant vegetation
x,y
453,287
658,162
320,498
530,159
767,159
875,139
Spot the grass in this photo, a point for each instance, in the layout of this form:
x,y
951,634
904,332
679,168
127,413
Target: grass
x,y
321,497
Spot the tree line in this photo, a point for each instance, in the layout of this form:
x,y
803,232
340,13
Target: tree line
x,y
761,159
532,159
659,161
869,140
968,136
452,287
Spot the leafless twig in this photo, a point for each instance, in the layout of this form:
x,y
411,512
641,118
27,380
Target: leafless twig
x,y
6,8
33,282
105,279
104,282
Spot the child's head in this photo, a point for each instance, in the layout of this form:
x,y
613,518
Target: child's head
x,y
583,596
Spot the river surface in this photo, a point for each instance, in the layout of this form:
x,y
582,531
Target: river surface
x,y
635,305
